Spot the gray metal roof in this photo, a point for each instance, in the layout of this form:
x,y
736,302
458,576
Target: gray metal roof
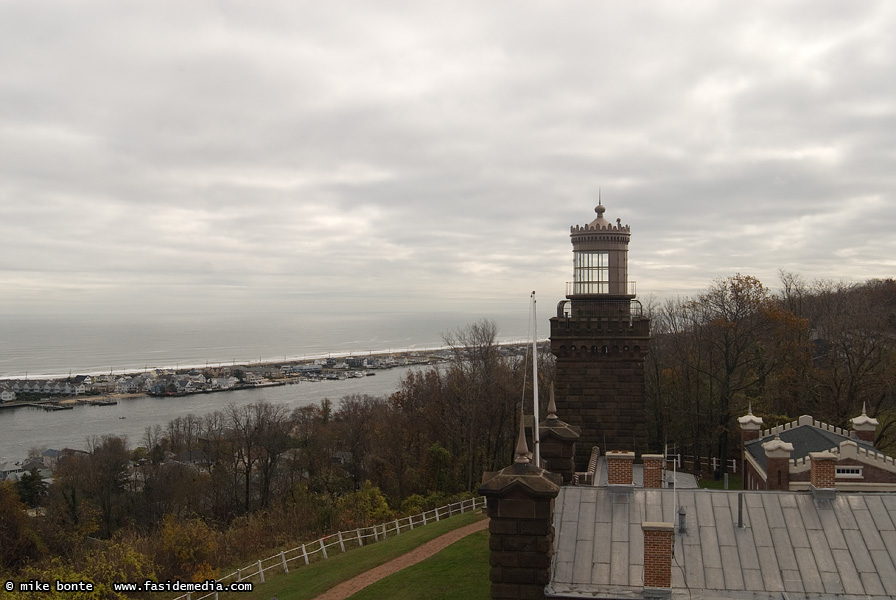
x,y
670,478
791,546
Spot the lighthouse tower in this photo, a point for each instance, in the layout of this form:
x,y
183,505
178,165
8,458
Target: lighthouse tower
x,y
600,339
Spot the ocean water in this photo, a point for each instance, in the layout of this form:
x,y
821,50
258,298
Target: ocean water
x,y
56,346
41,346
24,428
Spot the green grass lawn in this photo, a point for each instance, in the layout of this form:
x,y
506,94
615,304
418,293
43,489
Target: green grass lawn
x,y
306,582
459,572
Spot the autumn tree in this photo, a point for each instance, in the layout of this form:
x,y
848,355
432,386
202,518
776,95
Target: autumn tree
x,y
19,543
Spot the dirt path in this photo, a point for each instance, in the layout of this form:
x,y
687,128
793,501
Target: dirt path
x,y
347,588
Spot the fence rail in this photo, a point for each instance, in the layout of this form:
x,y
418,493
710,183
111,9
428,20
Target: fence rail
x,y
341,541
688,461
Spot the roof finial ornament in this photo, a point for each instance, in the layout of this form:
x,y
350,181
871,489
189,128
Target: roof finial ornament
x,y
750,408
864,414
522,450
552,406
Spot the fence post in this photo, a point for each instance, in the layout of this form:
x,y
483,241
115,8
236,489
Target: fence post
x,y
305,554
376,533
323,548
239,574
360,541
437,515
384,531
283,560
341,543
260,571
424,518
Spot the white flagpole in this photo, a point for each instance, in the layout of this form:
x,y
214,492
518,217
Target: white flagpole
x,y
535,437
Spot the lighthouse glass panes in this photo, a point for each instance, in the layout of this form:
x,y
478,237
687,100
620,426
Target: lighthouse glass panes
x,y
591,272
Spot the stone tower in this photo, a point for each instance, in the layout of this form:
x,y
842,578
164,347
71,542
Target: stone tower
x,y
600,339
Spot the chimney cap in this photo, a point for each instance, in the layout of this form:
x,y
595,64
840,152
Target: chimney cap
x,y
863,422
777,448
750,421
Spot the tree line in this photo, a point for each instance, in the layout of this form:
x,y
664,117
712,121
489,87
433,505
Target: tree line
x,y
821,348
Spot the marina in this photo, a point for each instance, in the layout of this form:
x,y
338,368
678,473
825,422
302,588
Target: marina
x,y
29,425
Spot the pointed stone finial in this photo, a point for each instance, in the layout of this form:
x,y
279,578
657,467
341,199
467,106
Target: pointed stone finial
x,y
865,426
750,422
522,449
552,406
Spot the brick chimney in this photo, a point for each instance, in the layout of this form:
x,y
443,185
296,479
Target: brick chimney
x,y
619,467
823,474
777,464
653,470
658,544
864,426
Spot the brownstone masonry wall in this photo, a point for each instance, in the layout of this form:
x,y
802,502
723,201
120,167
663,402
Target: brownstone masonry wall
x,y
599,380
521,532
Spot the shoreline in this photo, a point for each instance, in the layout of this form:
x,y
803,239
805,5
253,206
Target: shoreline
x,y
286,360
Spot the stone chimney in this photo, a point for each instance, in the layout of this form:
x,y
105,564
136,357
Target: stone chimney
x,y
777,464
653,470
658,543
750,425
865,426
619,468
521,529
823,474
558,443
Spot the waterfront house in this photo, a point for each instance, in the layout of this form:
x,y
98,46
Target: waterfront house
x,y
9,468
50,458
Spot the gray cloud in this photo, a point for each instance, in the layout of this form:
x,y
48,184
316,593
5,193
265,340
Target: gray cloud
x,y
165,155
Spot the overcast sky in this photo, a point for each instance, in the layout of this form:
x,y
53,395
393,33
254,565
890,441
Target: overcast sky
x,y
212,155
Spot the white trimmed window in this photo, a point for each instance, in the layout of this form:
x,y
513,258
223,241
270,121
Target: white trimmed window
x,y
849,472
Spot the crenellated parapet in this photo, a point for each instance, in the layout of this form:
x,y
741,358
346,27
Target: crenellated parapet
x,y
806,420
597,227
849,450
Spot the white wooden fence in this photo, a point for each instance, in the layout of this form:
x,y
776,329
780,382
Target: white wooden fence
x,y
342,540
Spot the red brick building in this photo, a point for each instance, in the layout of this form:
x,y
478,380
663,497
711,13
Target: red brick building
x,y
781,458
